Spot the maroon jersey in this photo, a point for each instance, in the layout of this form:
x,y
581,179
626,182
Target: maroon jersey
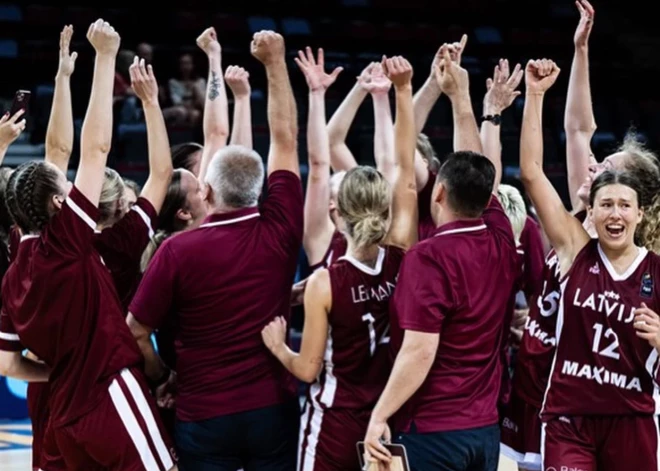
x,y
357,361
537,346
223,283
426,225
601,366
59,302
122,245
458,284
531,242
336,250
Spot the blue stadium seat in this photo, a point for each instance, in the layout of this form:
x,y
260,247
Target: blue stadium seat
x,y
488,35
8,49
10,13
296,26
258,23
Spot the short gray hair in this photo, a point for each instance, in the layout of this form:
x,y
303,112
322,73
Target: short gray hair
x,y
236,176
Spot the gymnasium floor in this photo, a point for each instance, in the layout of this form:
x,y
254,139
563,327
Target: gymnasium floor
x,y
16,438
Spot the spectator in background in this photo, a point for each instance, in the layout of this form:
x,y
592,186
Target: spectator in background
x,y
126,106
186,94
145,51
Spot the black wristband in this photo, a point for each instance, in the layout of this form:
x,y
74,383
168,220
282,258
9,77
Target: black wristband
x,y
496,119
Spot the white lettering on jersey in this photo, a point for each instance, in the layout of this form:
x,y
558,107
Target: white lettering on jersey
x,y
605,303
364,293
535,331
600,375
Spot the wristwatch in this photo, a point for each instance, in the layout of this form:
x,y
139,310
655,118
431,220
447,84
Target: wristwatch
x,y
496,119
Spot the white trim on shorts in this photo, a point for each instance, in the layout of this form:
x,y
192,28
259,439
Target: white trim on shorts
x,y
530,461
137,434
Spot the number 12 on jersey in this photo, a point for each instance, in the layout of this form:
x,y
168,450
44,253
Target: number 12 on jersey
x,y
385,338
611,350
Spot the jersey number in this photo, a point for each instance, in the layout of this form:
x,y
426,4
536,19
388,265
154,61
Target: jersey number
x,y
550,302
610,350
385,338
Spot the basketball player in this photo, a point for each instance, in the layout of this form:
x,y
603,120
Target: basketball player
x,y
60,303
125,232
598,411
345,349
131,192
224,281
238,81
450,313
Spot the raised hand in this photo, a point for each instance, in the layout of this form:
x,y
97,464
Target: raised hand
x,y
314,70
103,38
540,75
238,80
67,60
647,324
11,128
452,78
374,80
143,81
398,70
267,47
501,89
208,41
583,30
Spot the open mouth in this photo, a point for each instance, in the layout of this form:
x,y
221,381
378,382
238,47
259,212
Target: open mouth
x,y
615,231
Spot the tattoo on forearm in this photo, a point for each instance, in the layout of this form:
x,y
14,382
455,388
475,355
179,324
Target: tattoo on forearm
x,y
214,86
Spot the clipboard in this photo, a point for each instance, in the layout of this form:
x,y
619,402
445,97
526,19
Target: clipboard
x,y
399,457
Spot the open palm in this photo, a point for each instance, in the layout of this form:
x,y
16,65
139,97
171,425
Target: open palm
x,y
314,70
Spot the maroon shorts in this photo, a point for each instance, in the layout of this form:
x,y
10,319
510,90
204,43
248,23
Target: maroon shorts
x,y
328,438
601,443
123,432
520,431
38,395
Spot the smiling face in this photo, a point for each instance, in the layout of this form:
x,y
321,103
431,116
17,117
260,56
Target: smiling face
x,y
615,214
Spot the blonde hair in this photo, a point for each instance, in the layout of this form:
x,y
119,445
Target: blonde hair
x,y
514,208
643,164
364,204
425,148
112,195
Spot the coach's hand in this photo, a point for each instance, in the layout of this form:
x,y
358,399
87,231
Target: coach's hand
x,y
166,392
274,334
647,323
373,446
267,47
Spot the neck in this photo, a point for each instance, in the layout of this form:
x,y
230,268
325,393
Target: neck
x,y
447,216
221,208
367,255
620,255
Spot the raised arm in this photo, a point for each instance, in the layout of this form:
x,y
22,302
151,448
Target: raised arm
x,y
379,87
216,112
145,86
454,82
10,128
268,48
238,80
579,120
307,364
318,226
564,231
403,229
59,134
501,91
96,136
341,157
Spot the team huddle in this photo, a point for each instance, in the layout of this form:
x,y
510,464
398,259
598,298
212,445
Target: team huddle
x,y
442,323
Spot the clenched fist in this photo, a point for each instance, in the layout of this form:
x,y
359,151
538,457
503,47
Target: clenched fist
x,y
103,38
267,47
208,41
398,70
540,75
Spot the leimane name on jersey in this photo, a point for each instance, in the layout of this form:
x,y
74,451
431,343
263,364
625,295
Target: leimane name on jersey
x,y
600,375
607,302
363,293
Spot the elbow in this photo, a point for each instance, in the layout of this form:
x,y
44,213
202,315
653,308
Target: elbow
x,y
309,375
577,128
164,171
8,363
285,138
58,148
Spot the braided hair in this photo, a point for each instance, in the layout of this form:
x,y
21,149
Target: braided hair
x,y
29,193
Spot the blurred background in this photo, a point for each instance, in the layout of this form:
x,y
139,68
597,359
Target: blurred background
x,y
624,60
